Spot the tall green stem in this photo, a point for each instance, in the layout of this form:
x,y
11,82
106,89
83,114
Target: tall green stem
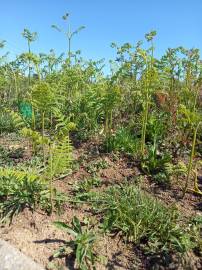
x,y
43,130
191,159
145,115
144,128
29,62
51,178
69,50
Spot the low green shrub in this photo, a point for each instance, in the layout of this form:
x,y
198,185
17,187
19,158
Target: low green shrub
x,y
6,122
20,190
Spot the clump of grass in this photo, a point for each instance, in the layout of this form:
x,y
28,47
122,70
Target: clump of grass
x,y
83,189
95,166
87,184
142,219
123,141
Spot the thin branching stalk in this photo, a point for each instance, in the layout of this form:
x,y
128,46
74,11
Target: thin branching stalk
x,y
51,177
43,135
145,114
190,165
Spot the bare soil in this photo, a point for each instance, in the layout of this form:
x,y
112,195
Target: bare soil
x,y
35,235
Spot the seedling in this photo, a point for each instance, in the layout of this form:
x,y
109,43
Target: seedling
x,y
82,244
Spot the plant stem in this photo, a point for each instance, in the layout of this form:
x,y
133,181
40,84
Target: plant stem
x,y
29,49
145,114
43,128
51,178
191,159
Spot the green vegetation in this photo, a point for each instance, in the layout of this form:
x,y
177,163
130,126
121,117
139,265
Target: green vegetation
x,y
82,244
142,218
146,114
20,190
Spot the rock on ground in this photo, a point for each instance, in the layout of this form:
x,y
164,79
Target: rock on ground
x,y
12,259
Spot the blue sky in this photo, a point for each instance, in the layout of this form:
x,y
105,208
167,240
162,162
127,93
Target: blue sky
x,y
178,22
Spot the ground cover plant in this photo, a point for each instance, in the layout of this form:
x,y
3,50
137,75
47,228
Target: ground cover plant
x,y
114,160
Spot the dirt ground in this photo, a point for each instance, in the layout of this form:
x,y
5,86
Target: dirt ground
x,y
36,236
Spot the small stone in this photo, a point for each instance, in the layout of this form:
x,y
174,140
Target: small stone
x,y
12,259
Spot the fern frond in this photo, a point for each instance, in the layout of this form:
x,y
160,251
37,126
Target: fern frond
x,y
35,136
60,158
43,96
18,174
180,168
169,168
63,125
17,119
